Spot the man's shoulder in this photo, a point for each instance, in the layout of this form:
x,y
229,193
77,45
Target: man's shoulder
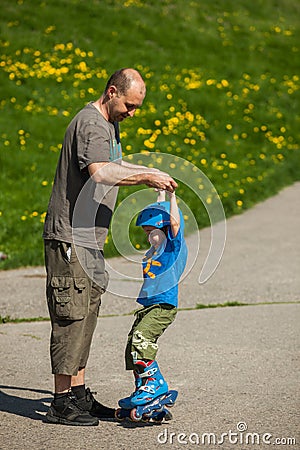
x,y
89,112
89,116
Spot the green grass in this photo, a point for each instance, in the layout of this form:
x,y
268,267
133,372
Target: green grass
x,y
219,305
222,92
8,319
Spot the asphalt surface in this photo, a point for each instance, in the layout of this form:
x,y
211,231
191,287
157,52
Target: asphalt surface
x,y
236,368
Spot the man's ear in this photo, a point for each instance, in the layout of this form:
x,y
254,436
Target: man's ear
x,y
112,91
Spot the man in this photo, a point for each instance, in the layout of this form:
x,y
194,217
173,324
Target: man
x,y
76,226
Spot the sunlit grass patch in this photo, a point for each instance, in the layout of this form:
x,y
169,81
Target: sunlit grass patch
x,y
222,93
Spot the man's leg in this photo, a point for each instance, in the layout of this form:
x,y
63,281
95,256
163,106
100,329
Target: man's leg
x,y
84,396
67,319
65,408
78,380
62,383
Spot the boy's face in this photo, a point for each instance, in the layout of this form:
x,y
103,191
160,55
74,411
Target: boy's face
x,y
156,236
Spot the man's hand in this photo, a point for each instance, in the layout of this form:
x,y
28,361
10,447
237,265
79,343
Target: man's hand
x,y
161,181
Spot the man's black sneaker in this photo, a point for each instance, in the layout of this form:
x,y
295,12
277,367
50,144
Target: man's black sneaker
x,y
69,412
96,409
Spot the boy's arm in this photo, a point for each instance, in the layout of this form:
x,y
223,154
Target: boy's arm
x,y
161,196
174,214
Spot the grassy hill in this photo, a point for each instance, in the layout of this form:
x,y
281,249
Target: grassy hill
x,y
222,93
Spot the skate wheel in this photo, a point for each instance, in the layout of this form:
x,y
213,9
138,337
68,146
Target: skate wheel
x,y
122,414
145,419
168,415
134,417
118,415
158,419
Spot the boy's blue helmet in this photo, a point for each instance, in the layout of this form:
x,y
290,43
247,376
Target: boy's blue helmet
x,y
156,215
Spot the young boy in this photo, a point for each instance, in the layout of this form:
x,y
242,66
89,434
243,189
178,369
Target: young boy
x,y
163,264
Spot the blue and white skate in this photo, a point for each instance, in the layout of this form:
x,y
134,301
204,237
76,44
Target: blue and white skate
x,y
154,411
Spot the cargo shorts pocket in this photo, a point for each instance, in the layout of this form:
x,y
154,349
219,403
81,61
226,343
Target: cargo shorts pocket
x,y
69,299
105,281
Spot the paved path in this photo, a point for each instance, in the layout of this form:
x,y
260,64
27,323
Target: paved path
x,y
232,366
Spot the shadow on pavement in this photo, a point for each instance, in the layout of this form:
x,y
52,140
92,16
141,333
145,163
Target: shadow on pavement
x,y
35,408
25,407
129,424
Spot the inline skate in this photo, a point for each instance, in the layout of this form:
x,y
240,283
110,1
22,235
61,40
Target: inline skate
x,y
151,399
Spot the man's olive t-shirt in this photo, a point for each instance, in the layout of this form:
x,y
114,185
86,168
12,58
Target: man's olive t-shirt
x,y
79,209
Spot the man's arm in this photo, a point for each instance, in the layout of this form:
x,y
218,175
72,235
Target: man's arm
x,y
137,166
111,174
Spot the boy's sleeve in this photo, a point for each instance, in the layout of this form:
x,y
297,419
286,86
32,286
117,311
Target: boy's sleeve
x,y
179,236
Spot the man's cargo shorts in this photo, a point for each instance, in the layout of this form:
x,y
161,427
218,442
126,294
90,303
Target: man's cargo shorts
x,y
74,298
149,325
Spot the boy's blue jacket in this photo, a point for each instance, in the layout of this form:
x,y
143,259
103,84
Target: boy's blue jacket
x,y
162,269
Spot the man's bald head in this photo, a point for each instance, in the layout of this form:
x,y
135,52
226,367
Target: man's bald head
x,y
124,79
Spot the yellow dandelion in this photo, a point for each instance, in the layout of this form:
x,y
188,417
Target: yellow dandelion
x,y
148,144
224,83
42,217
